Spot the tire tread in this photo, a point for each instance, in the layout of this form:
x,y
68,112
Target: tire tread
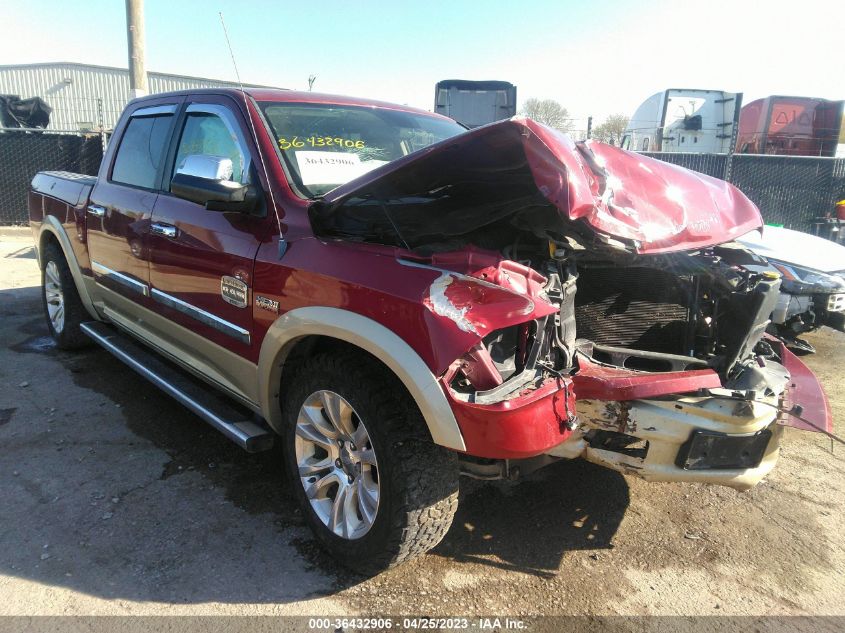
x,y
425,497
71,337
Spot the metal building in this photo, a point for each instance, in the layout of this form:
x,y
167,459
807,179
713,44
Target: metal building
x,y
85,97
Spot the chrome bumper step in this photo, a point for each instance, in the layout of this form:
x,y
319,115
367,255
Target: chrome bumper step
x,y
230,419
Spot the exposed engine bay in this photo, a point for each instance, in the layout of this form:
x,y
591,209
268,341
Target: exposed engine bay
x,y
622,249
656,313
590,273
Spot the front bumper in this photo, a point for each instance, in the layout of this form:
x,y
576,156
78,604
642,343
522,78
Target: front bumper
x,y
667,427
528,424
671,426
807,306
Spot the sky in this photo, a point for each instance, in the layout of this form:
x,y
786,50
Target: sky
x,y
596,58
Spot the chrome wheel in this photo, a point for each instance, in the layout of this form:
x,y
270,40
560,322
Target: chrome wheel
x,y
337,464
54,297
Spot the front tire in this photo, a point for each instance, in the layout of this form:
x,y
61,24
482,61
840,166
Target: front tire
x,y
63,308
372,485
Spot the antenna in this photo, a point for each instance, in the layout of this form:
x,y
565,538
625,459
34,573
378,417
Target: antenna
x,y
282,243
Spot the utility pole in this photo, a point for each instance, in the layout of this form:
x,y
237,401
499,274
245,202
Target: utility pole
x,y
589,126
135,40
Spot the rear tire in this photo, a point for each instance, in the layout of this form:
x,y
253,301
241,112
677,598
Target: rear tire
x,y
380,502
63,308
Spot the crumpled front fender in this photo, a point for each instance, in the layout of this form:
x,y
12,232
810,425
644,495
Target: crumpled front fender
x,y
477,295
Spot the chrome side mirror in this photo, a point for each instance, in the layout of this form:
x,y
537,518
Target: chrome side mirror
x,y
217,168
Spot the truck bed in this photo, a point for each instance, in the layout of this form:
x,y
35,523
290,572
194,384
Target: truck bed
x,y
72,189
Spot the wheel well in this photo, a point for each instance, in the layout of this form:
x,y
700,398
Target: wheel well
x,y
47,238
308,346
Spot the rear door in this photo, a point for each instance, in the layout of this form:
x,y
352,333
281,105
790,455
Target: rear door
x,y
122,202
201,263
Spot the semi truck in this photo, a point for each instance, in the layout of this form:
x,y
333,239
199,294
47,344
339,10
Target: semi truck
x,y
684,120
791,126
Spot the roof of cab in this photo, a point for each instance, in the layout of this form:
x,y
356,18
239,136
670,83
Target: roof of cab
x,y
294,96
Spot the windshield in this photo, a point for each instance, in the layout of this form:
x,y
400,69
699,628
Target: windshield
x,y
326,145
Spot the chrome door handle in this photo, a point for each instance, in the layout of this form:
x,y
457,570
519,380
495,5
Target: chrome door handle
x,y
165,230
97,210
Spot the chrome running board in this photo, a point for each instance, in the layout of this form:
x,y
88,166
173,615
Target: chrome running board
x,y
231,420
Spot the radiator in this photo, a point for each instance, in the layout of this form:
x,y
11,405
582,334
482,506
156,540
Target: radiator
x,y
641,308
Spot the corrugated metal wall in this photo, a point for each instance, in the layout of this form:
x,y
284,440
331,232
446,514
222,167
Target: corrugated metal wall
x,y
84,97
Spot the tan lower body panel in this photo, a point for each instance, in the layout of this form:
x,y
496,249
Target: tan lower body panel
x,y
223,369
666,425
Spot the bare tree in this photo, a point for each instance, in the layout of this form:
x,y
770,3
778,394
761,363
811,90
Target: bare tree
x,y
548,112
612,129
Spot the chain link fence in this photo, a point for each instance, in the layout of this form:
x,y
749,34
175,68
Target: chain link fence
x,y
791,190
715,165
22,154
795,191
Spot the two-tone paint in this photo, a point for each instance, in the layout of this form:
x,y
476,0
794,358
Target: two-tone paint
x,y
416,314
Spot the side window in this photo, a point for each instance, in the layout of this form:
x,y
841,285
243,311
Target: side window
x,y
141,151
208,134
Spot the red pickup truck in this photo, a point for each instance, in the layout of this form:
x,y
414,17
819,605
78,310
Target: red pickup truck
x,y
399,301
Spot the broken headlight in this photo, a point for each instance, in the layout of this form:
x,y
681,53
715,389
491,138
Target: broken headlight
x,y
495,359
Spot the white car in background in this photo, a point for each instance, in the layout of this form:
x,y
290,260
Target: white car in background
x,y
813,285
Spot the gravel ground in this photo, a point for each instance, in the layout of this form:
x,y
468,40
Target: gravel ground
x,y
116,500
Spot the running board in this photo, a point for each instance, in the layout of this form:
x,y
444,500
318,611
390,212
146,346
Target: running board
x,y
201,399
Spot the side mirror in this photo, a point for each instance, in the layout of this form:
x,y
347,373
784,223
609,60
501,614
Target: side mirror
x,y
206,180
206,166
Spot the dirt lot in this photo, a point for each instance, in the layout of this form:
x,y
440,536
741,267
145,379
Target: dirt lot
x,y
115,500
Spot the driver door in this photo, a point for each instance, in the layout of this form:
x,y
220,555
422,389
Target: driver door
x,y
201,261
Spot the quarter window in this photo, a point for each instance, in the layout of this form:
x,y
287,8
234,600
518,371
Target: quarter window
x,y
141,150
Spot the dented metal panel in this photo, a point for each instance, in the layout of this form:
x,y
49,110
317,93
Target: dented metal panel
x,y
519,170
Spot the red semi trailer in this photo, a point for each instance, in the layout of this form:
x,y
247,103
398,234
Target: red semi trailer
x,y
794,126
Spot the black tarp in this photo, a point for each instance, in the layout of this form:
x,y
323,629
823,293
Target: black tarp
x,y
27,113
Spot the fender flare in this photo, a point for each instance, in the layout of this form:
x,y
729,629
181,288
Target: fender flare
x,y
371,337
52,225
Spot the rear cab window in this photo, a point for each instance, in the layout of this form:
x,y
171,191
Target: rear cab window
x,y
327,145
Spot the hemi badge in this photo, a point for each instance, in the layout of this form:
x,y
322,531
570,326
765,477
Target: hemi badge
x,y
267,304
234,291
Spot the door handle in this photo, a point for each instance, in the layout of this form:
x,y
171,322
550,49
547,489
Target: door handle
x,y
97,210
165,230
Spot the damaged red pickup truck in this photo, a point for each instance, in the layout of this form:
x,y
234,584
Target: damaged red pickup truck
x,y
398,301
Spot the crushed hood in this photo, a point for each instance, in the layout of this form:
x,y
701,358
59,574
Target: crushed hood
x,y
520,169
